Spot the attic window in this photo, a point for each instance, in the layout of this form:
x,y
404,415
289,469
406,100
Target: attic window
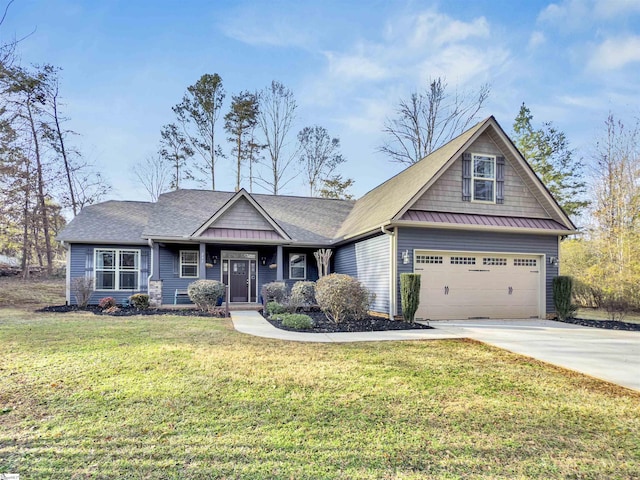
x,y
484,178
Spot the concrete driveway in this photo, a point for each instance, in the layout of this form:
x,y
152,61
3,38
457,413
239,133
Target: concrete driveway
x,y
610,355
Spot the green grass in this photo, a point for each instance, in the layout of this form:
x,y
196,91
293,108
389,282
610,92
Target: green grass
x,y
84,396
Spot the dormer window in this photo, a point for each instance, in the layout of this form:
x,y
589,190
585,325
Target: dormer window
x,y
484,178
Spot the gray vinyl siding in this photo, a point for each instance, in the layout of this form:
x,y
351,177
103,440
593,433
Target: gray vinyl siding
x,y
170,272
369,261
446,194
431,239
82,265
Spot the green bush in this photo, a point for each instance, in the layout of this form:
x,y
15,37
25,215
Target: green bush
x,y
139,301
206,293
107,303
563,297
296,320
410,295
342,297
303,294
274,292
274,308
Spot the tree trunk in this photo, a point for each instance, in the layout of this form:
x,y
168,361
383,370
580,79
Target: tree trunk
x,y
63,151
41,196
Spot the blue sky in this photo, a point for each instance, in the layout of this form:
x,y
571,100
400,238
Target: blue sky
x,y
126,63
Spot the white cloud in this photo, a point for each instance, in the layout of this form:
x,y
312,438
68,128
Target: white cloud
x,y
615,53
351,67
537,39
577,14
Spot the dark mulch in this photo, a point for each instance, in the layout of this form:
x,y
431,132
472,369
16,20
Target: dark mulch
x,y
368,324
130,311
608,324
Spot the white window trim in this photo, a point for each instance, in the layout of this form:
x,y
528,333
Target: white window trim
x,y
116,269
197,264
303,255
474,178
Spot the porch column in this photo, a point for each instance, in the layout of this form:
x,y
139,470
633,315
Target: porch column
x,y
202,268
155,262
279,264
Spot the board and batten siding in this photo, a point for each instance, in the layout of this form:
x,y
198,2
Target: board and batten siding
x,y
473,241
82,265
370,262
446,194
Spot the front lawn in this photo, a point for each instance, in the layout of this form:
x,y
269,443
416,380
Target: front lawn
x,y
85,396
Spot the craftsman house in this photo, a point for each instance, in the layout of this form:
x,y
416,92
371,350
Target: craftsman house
x,y
472,218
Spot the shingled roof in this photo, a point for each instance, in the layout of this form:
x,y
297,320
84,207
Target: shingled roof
x,y
109,222
186,214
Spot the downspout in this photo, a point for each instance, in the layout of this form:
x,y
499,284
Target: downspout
x,y
67,273
150,242
392,270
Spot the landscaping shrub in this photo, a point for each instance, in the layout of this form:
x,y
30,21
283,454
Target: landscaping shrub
x,y
410,295
342,297
82,288
274,292
296,320
107,303
274,308
303,294
563,297
140,301
206,293
617,305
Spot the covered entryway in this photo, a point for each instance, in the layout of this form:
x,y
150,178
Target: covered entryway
x,y
239,272
462,285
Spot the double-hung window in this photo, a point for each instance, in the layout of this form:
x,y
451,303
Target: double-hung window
x,y
117,269
484,178
189,263
297,266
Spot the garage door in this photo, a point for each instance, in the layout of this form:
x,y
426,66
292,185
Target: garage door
x,y
461,285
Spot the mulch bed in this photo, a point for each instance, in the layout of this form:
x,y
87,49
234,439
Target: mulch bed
x,y
608,324
130,311
368,324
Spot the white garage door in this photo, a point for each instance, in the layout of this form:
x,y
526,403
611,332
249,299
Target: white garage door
x,y
462,285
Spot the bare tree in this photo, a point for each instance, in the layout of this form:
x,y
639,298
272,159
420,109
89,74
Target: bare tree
x,y
429,119
153,173
197,114
175,149
319,155
277,112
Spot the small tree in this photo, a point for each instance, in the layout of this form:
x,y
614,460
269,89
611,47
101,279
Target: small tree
x,y
82,288
563,296
410,293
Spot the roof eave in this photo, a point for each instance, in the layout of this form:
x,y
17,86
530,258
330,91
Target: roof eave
x,y
494,228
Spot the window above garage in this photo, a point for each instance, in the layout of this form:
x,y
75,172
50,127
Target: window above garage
x,y
482,178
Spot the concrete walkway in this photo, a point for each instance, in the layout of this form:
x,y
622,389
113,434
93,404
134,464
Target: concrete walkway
x,y
610,355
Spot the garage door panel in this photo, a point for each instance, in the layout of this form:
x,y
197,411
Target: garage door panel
x,y
468,284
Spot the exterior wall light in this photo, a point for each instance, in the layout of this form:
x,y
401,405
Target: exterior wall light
x,y
405,257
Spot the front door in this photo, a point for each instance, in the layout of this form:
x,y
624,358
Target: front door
x,y
239,280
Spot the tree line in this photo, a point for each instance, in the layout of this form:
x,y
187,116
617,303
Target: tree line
x,y
41,172
258,127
